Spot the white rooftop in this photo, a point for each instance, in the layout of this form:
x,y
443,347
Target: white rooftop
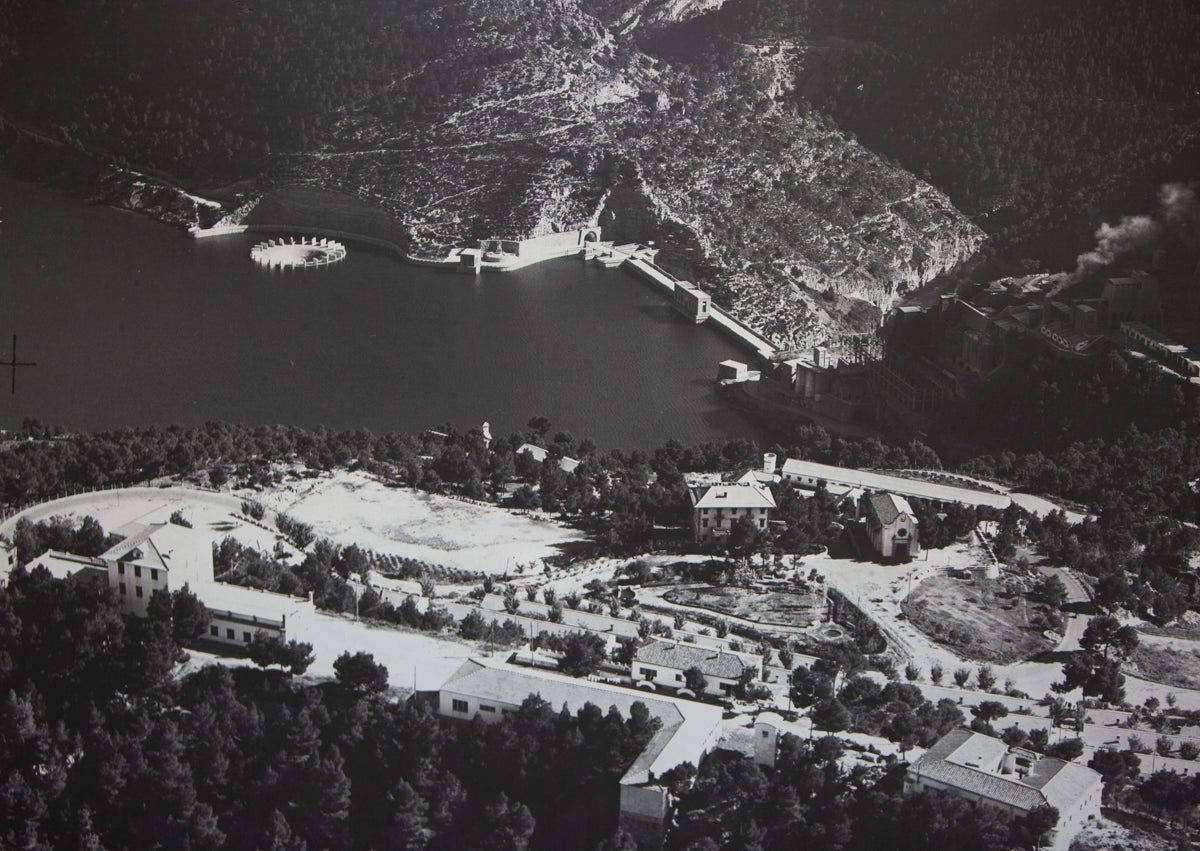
x,y
249,602
795,468
689,729
733,495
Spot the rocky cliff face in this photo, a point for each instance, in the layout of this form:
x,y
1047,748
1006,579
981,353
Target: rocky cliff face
x,y
537,118
625,16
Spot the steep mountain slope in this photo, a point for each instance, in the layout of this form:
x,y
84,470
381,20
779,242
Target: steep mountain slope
x,y
478,118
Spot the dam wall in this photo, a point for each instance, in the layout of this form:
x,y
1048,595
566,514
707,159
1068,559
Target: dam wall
x,y
742,333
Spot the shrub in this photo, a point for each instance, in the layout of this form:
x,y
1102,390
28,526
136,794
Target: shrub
x,y
1138,745
253,509
935,674
985,676
1163,745
961,676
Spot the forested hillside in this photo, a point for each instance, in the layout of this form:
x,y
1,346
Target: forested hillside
x,y
1037,117
474,119
205,92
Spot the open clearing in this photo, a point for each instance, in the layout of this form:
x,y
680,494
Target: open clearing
x,y
779,608
972,618
353,508
210,514
1173,666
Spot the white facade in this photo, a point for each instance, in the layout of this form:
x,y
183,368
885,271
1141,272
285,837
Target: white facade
x,y
165,558
717,508
662,664
988,772
892,526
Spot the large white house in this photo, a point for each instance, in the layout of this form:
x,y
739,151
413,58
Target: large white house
x,y
717,508
166,557
891,525
490,690
988,772
662,664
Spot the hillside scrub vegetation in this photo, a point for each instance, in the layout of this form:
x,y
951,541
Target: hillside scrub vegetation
x,y
1026,113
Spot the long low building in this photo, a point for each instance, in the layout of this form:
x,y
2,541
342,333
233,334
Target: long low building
x,y
807,474
689,731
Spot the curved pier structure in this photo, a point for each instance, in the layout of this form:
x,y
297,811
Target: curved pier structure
x,y
309,251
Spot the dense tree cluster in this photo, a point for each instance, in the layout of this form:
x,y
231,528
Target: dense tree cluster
x,y
810,802
101,746
1025,112
1046,403
246,81
85,538
1138,563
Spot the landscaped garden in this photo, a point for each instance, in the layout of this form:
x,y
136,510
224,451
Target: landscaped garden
x,y
777,607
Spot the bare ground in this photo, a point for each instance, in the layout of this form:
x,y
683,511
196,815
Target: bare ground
x,y
976,620
1171,666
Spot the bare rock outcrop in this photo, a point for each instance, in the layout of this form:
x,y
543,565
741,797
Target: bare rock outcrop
x,y
560,121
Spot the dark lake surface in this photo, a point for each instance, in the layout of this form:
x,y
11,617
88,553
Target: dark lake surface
x,y
131,322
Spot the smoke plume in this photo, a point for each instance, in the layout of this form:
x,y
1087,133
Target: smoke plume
x,y
1178,214
1180,211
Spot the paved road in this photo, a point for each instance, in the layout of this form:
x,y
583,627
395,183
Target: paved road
x,y
45,510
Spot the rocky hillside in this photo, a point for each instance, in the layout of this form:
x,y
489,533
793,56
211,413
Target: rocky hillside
x,y
478,118
792,224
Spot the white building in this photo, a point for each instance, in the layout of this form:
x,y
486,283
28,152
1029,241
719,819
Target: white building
x,y
891,525
1015,780
661,664
166,557
540,455
689,731
716,508
808,474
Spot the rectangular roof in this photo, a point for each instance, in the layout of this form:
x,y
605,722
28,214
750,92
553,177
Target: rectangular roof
x,y
733,495
896,484
64,565
251,602
972,763
688,728
710,662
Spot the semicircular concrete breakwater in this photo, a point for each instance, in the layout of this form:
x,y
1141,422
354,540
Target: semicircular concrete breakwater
x,y
308,252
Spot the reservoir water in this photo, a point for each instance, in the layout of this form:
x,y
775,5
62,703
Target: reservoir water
x,y
132,323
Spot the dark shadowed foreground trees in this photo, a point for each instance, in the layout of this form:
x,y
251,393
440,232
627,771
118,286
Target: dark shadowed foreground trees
x,y
101,746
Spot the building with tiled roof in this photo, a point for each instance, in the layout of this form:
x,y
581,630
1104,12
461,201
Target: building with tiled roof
x,y
717,508
489,690
540,455
985,770
891,525
659,663
166,557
